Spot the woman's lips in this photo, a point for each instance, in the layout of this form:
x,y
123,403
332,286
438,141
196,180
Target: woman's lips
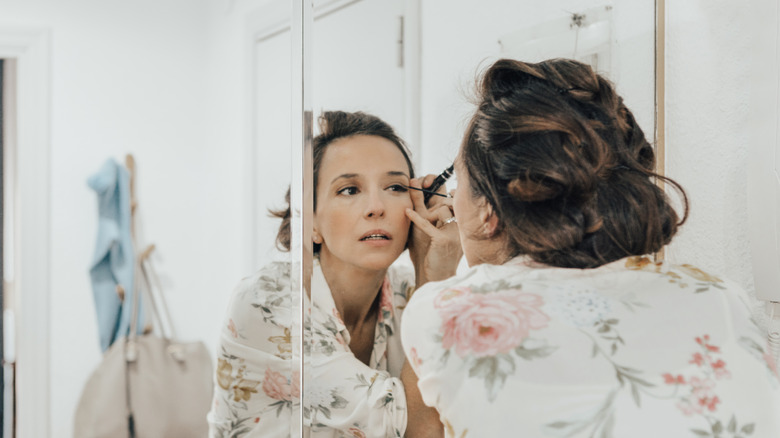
x,y
376,237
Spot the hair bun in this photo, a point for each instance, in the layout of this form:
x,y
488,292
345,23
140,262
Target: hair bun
x,y
528,190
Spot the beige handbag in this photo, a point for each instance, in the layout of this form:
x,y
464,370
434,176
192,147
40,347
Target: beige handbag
x,y
148,386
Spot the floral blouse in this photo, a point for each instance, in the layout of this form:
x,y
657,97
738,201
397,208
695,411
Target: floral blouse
x,y
343,397
630,349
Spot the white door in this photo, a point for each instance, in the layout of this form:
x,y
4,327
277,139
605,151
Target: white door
x,y
356,60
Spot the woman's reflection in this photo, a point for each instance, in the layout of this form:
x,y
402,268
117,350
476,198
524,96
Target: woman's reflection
x,y
362,172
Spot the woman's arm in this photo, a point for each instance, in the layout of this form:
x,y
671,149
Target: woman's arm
x,y
423,421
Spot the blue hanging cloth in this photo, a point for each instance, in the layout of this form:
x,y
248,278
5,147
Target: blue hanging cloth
x,y
114,259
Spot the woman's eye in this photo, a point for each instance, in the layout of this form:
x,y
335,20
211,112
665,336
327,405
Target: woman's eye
x,y
398,188
348,191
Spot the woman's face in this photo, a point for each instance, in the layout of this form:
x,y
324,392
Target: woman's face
x,y
360,218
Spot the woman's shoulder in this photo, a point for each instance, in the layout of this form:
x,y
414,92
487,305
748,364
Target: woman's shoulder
x,y
264,296
472,276
273,278
648,278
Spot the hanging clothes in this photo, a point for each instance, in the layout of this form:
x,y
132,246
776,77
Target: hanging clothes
x,y
112,267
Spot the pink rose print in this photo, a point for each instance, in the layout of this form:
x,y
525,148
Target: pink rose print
x,y
356,433
698,359
276,386
674,380
702,389
719,368
452,297
703,341
386,303
488,324
702,397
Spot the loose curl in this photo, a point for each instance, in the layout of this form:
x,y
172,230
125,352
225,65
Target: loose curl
x,y
565,166
335,125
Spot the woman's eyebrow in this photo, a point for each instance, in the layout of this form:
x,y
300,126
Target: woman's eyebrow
x,y
397,173
344,176
355,175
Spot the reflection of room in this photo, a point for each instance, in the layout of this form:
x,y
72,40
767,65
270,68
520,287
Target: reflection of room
x,y
168,81
161,80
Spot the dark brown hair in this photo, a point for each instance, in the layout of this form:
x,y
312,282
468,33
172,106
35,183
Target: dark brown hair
x,y
335,125
565,166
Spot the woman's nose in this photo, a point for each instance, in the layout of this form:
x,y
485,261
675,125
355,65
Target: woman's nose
x,y
376,205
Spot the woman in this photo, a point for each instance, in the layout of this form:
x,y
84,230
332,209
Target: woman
x,y
361,174
564,326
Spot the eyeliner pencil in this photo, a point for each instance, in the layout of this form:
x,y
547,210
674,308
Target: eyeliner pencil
x,y
437,183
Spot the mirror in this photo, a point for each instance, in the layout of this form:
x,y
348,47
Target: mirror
x,y
418,60
414,64
199,94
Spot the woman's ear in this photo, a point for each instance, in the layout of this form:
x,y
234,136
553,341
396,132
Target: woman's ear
x,y
488,218
316,237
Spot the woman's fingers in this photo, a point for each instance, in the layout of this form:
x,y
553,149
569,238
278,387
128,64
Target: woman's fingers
x,y
427,180
435,201
435,250
418,200
422,223
442,212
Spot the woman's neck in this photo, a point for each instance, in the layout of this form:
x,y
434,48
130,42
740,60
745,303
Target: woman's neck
x,y
493,251
354,290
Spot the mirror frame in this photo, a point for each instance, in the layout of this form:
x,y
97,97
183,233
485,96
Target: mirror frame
x,y
301,192
660,100
302,188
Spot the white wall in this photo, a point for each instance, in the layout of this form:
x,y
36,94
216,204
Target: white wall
x,y
459,39
162,80
708,67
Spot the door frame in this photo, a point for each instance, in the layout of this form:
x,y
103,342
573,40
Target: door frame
x,y
31,48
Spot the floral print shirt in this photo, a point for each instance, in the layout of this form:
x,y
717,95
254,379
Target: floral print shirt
x,y
343,397
630,349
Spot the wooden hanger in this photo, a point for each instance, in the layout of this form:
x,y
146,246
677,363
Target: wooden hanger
x,y
130,165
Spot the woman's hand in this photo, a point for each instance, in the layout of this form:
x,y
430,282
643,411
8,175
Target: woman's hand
x,y
434,241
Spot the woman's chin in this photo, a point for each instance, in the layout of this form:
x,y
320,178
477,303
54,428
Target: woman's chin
x,y
378,262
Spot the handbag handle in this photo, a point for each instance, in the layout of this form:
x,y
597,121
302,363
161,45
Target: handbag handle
x,y
152,290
